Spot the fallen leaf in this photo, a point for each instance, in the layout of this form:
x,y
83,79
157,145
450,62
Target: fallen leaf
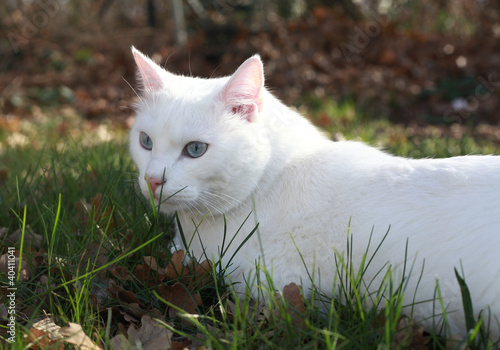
x,y
202,274
194,275
120,342
42,340
74,334
408,334
97,212
180,296
146,276
151,262
132,307
295,304
175,267
181,345
127,299
102,214
30,238
121,273
44,334
151,335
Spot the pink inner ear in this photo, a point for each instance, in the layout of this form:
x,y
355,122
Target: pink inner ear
x,y
244,109
151,79
243,92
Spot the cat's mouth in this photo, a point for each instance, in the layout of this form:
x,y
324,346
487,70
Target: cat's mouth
x,y
160,197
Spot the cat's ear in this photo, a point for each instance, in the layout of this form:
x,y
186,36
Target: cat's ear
x,y
150,74
244,90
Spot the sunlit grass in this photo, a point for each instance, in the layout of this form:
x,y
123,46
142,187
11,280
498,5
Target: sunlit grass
x,y
346,121
53,163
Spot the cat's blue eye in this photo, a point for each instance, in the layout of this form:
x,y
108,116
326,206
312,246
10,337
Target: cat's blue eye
x,y
146,141
195,149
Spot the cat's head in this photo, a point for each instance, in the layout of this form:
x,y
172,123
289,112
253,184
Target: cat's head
x,y
199,143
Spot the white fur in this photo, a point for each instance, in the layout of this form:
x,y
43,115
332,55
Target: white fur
x,y
297,183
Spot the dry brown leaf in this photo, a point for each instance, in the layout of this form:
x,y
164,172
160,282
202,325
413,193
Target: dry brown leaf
x,y
408,334
202,274
127,300
175,267
293,297
128,317
96,211
121,273
180,296
44,334
74,334
194,275
120,342
181,345
102,213
42,340
30,238
146,276
151,262
120,294
150,336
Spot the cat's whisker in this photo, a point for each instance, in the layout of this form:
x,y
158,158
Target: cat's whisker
x,y
208,219
214,207
209,204
224,196
255,183
166,61
200,213
228,202
215,70
134,90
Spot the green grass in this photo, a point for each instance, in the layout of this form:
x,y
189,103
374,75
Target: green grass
x,y
437,141
54,162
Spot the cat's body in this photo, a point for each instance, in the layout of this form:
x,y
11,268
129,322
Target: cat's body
x,y
255,155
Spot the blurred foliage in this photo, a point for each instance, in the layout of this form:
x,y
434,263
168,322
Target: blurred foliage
x,y
462,16
409,60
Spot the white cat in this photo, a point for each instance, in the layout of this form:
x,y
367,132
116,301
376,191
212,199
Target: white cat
x,y
227,146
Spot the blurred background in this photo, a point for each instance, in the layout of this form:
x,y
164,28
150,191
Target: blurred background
x,y
412,61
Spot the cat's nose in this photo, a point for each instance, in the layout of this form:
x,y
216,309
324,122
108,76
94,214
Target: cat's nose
x,y
154,182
